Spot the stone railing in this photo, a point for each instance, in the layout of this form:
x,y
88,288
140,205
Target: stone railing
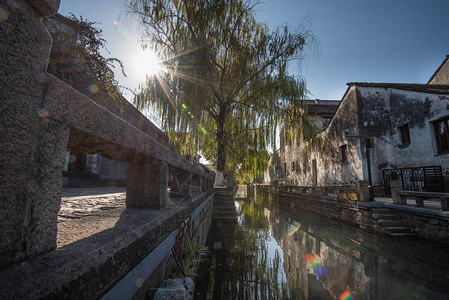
x,y
42,118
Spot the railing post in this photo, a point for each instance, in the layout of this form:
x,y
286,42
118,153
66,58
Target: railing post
x,y
147,185
180,180
32,146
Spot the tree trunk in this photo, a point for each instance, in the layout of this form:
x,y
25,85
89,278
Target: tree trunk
x,y
221,142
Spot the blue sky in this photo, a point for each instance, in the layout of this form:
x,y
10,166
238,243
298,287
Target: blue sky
x,y
356,40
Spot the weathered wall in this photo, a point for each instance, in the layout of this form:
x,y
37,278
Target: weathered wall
x,y
325,151
88,268
373,112
384,110
427,225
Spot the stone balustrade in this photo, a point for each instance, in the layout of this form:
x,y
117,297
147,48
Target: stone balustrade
x,y
42,117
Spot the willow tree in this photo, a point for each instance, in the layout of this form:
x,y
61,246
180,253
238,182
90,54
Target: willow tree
x,y
226,87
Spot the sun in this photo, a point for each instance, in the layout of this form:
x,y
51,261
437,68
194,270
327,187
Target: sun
x,y
147,63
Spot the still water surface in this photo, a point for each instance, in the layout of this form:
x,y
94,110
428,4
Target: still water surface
x,y
275,253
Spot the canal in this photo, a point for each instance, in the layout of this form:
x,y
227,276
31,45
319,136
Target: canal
x,y
270,252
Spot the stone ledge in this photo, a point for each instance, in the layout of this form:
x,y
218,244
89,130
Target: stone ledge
x,y
97,130
87,268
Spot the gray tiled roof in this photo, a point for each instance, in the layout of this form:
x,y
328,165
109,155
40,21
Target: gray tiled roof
x,y
416,87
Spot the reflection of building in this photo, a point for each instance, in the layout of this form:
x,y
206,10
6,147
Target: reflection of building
x,y
377,127
366,266
82,168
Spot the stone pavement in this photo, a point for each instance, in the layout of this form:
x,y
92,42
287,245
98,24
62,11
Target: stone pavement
x,y
91,210
87,211
428,205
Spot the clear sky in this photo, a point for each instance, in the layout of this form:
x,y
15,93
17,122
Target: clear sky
x,y
356,40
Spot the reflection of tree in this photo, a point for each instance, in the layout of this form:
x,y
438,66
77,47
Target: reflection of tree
x,y
251,272
254,214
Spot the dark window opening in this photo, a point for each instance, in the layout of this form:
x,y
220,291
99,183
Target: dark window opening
x,y
442,135
404,132
342,153
293,166
326,121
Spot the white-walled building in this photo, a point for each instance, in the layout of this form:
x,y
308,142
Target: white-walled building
x,y
378,128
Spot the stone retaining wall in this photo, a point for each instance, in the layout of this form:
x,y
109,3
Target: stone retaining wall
x,y
427,224
88,268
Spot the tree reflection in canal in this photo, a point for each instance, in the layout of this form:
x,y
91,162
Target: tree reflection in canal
x,y
274,254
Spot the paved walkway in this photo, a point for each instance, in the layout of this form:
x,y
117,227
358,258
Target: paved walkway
x,y
428,205
87,211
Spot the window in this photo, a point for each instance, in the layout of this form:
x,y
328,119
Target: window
x,y
293,166
442,135
342,153
285,168
404,132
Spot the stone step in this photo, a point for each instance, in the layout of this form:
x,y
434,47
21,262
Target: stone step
x,y
224,208
329,198
384,211
389,223
384,217
396,229
217,212
403,234
225,218
224,201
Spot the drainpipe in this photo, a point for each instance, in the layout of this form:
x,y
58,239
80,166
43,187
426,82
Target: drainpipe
x,y
368,145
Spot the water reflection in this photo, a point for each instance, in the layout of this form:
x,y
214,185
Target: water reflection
x,y
278,253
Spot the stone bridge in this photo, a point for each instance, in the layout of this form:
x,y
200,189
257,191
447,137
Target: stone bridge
x,y
42,117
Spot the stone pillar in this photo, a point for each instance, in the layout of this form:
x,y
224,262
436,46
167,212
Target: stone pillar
x,y
32,145
219,179
229,181
196,180
364,191
395,186
200,183
147,184
180,180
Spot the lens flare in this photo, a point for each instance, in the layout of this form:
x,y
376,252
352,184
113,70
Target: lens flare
x,y
115,23
139,281
4,15
294,230
318,269
278,221
72,158
13,5
203,130
43,113
93,88
346,295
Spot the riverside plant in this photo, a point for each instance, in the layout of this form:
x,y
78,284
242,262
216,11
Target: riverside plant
x,y
193,255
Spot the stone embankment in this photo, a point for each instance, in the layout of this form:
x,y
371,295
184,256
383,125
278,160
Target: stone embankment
x,y
381,216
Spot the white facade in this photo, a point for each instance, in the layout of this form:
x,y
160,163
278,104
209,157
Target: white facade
x,y
370,114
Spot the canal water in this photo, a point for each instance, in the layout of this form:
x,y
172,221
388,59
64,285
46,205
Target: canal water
x,y
270,252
